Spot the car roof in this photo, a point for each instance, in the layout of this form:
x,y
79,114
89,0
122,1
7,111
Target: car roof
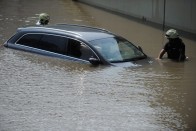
x,y
83,32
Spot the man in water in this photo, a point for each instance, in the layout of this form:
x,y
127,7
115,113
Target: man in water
x,y
43,19
175,48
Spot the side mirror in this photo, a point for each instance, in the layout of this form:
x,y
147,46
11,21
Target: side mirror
x,y
140,48
94,61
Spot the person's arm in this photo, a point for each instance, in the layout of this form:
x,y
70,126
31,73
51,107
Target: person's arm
x,y
162,52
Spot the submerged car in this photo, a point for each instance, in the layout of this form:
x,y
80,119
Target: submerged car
x,y
76,42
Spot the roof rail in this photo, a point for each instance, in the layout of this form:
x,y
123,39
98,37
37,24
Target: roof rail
x,y
97,28
48,28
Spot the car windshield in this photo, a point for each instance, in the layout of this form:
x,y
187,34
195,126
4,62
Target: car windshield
x,y
117,49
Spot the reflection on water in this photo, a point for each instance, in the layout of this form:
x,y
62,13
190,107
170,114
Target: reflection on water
x,y
43,93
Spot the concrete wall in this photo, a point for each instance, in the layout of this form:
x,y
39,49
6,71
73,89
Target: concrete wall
x,y
178,13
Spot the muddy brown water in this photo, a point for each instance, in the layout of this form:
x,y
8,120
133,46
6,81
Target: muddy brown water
x,y
43,93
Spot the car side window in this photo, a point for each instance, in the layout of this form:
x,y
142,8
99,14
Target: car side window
x,y
53,43
46,42
29,40
79,50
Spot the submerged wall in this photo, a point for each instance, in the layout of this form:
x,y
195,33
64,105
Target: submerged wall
x,y
178,13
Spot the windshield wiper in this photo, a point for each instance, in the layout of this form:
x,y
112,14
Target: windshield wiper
x,y
138,58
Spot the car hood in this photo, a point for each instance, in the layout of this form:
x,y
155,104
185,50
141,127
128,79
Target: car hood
x,y
137,63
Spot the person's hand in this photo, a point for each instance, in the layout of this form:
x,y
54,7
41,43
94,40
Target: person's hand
x,y
158,58
159,61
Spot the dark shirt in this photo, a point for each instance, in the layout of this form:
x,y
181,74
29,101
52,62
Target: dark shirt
x,y
175,49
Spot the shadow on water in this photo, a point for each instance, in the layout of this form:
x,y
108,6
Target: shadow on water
x,y
44,93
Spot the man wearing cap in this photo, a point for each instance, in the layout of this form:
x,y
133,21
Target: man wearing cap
x,y
175,48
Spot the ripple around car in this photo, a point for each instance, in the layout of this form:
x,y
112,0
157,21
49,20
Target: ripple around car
x,y
77,43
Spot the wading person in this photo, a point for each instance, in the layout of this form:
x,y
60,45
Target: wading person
x,y
175,48
43,19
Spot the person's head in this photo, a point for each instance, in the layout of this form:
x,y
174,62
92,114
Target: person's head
x,y
172,34
44,18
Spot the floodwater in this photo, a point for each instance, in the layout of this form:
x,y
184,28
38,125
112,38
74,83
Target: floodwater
x,y
43,93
